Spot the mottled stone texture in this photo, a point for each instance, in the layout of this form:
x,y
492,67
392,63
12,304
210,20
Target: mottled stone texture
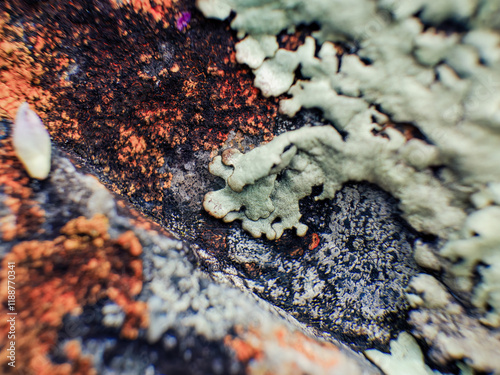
x,y
145,107
351,285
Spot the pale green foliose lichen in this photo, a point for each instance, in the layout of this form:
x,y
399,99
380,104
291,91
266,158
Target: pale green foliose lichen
x,y
405,70
448,331
405,358
270,181
480,245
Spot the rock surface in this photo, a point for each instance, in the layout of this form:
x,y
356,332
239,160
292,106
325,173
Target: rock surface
x,y
144,94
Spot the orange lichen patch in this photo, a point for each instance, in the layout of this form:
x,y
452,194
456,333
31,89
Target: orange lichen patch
x,y
294,40
157,9
314,241
149,95
245,350
19,73
324,354
132,144
131,91
175,68
82,364
257,347
129,241
137,317
58,277
291,41
25,214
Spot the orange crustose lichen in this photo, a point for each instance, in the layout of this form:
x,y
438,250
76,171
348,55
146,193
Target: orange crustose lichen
x,y
19,73
58,277
24,215
254,346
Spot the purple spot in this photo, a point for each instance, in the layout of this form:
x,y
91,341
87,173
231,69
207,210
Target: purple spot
x,y
183,20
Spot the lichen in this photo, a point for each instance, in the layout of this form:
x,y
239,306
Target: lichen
x,y
406,357
372,65
479,252
351,285
55,281
269,181
445,327
184,301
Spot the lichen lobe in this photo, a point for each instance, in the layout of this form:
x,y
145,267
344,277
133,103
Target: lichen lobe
x,y
264,186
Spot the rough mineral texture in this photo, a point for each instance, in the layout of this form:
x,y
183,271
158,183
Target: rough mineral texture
x,y
144,94
349,282
100,292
